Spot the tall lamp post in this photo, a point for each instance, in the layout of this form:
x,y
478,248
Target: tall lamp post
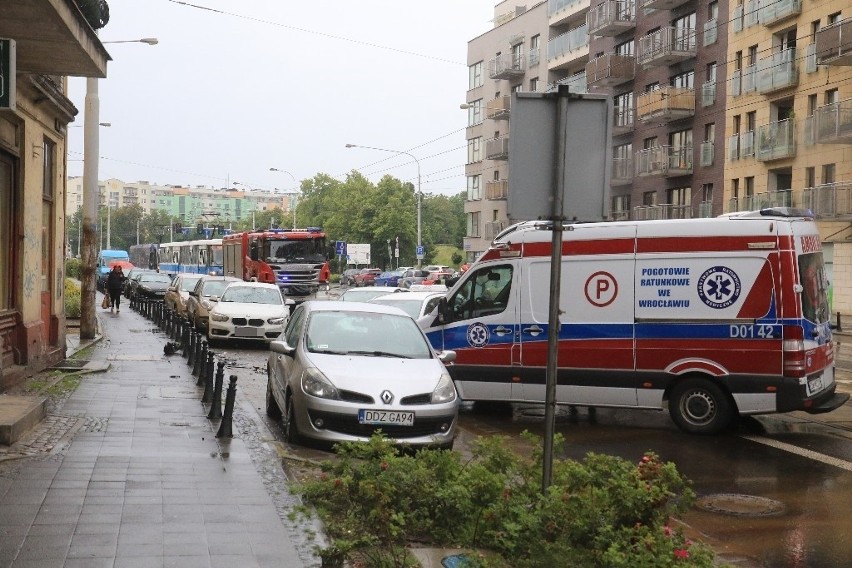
x,y
88,321
295,192
419,193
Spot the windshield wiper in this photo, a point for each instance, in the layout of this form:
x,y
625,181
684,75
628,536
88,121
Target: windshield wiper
x,y
328,351
380,354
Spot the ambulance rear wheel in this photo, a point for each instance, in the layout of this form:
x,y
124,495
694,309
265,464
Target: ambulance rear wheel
x,y
699,406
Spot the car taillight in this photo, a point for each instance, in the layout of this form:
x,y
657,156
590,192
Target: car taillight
x,y
793,347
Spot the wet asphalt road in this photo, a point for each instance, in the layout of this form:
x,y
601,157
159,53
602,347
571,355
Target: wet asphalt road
x,y
775,491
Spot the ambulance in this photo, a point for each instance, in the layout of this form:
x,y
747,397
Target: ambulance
x,y
708,318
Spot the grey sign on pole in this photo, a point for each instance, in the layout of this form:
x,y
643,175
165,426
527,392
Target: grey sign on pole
x,y
533,149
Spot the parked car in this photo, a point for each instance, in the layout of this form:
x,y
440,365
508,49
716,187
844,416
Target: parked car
x,y
249,311
439,276
131,276
348,276
342,370
390,278
412,276
367,277
367,294
178,292
152,285
415,304
204,296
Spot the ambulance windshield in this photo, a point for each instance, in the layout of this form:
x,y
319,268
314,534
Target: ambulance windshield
x,y
815,287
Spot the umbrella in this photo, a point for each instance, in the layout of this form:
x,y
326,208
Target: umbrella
x,y
125,265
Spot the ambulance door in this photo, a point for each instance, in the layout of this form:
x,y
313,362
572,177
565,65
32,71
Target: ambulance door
x,y
481,328
596,333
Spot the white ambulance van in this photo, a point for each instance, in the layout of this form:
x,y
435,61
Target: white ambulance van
x,y
709,317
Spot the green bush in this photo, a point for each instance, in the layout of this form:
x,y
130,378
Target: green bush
x,y
72,299
72,268
603,511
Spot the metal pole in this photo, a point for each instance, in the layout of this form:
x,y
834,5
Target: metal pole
x,y
88,322
553,313
109,219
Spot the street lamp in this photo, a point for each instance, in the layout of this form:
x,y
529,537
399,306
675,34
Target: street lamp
x,y
419,193
88,322
293,198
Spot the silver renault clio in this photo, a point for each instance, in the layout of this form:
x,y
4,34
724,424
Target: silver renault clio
x,y
343,370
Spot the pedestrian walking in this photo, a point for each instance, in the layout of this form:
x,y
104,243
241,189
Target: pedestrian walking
x,y
114,286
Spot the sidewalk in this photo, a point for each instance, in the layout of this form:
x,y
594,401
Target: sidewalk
x,y
137,477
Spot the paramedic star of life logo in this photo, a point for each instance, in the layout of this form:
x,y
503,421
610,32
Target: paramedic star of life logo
x,y
477,335
719,287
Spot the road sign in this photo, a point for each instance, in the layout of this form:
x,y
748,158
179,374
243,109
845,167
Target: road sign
x,y
420,251
340,248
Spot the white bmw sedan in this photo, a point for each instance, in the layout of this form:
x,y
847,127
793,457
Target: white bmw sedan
x,y
248,310
343,370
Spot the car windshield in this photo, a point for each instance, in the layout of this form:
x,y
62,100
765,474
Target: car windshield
x,y
365,333
252,295
411,307
214,287
154,277
187,284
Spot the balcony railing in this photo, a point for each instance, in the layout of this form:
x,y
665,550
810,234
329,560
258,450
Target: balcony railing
x,y
776,140
834,123
747,144
705,209
560,11
668,161
711,32
666,103
667,46
622,171
661,211
831,200
497,148
507,66
834,44
775,11
660,4
499,108
708,93
494,228
497,189
623,121
610,69
612,17
576,83
707,153
780,71
567,43
535,56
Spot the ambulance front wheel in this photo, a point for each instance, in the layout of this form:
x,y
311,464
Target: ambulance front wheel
x,y
699,406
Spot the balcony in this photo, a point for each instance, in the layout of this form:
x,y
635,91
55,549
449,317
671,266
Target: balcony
x,y
711,32
611,18
576,83
610,69
499,108
783,198
708,93
497,189
494,228
667,46
506,66
662,211
568,47
666,103
560,12
707,154
778,10
622,171
833,123
834,44
778,72
623,122
705,209
830,200
661,4
776,141
497,148
667,161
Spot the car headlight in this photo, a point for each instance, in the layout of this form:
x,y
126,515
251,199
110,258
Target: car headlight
x,y
445,391
315,384
275,321
218,317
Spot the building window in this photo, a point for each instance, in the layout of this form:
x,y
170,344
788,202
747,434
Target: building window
x,y
474,150
649,198
475,79
474,188
735,188
680,196
626,48
684,80
749,186
707,193
534,85
474,112
810,177
473,224
828,172
620,203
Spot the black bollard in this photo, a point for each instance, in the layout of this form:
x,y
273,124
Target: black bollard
x,y
227,418
190,347
202,364
216,402
208,380
184,337
196,353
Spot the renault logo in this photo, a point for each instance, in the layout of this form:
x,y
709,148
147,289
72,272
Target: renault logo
x,y
387,397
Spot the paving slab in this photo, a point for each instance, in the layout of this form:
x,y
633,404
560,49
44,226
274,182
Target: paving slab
x,y
18,414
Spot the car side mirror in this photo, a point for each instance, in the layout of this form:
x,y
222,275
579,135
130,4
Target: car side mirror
x,y
214,298
281,346
192,293
443,311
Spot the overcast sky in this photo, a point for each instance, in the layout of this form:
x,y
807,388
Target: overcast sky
x,y
241,87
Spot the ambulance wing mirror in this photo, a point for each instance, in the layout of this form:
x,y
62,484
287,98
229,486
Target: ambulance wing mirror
x,y
443,311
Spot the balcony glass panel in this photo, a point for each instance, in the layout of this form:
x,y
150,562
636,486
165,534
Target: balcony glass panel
x,y
711,32
734,148
567,42
666,46
779,71
611,17
777,10
747,144
810,58
749,84
776,140
834,123
708,93
707,153
622,170
666,103
736,83
834,43
506,66
623,118
610,69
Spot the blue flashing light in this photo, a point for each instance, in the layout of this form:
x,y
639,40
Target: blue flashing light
x,y
314,229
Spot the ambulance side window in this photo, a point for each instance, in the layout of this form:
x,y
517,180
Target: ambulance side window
x,y
486,292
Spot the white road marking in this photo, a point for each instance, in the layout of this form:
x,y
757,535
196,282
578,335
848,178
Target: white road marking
x,y
809,454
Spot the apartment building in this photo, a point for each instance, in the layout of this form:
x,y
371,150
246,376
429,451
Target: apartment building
x,y
660,60
789,119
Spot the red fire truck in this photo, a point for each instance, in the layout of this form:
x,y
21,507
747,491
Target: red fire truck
x,y
295,259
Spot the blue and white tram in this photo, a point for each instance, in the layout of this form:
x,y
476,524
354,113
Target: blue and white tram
x,y
197,257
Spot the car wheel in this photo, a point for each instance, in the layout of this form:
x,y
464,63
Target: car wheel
x,y
272,408
699,406
291,430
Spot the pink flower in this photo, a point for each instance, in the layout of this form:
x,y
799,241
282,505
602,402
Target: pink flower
x,y
681,553
667,530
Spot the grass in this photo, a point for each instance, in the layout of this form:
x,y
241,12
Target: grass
x,y
444,255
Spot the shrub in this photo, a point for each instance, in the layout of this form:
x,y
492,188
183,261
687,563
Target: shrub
x,y
72,299
72,268
602,511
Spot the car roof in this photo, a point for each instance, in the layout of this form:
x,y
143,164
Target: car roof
x,y
206,277
243,283
338,306
388,289
409,296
